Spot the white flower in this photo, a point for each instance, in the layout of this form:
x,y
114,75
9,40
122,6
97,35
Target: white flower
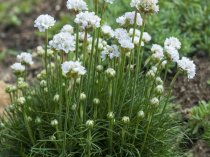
x,y
87,20
172,42
109,1
68,29
128,19
127,44
172,53
82,36
146,6
73,69
77,5
107,30
121,34
136,41
18,67
187,65
63,41
137,32
25,58
44,22
146,37
111,51
157,51
123,38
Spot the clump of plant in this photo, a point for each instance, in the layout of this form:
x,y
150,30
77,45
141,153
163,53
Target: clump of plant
x,y
199,124
99,94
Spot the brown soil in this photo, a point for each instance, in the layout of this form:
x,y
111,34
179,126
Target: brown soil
x,y
189,92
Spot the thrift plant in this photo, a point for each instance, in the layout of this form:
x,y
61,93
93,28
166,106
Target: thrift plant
x,y
98,94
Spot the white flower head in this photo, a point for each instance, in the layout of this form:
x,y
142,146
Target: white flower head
x,y
107,30
109,1
67,28
87,20
121,34
44,22
77,5
188,66
128,19
126,44
172,42
110,73
63,41
110,51
18,68
146,37
146,6
73,69
172,53
157,51
25,58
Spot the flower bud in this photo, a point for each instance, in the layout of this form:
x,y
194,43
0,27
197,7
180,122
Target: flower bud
x,y
29,119
163,64
45,89
82,96
2,125
154,69
159,80
141,114
110,73
49,52
90,123
38,120
74,107
159,89
10,89
96,101
110,115
126,120
150,74
54,122
40,50
21,100
56,98
99,68
43,83
52,138
154,101
78,80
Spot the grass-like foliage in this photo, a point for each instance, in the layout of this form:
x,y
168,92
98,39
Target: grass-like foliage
x,y
99,94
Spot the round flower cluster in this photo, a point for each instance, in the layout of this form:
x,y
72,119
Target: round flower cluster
x,y
87,20
72,69
171,46
25,58
107,30
18,67
123,38
110,51
44,22
128,19
63,41
188,66
67,29
76,5
146,6
157,51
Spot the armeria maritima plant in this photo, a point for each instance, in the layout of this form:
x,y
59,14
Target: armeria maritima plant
x,y
99,94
